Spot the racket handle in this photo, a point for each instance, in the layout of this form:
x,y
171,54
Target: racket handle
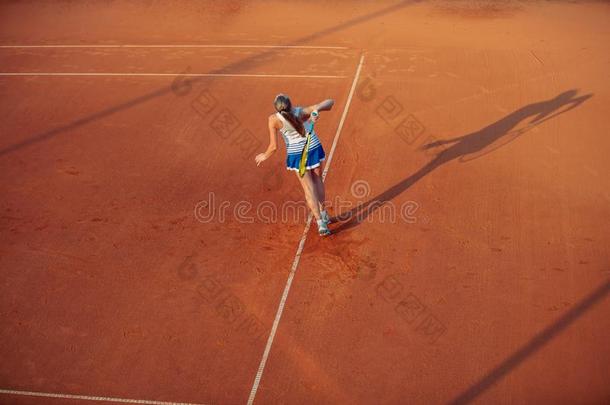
x,y
313,117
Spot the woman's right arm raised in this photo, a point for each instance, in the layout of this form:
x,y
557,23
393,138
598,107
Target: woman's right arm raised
x,y
325,105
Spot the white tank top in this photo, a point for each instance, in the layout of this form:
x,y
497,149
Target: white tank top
x,y
294,141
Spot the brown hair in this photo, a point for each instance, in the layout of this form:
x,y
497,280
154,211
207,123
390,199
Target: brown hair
x,y
284,106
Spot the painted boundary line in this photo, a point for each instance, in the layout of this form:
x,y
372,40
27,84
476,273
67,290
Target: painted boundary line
x,y
90,398
343,117
69,74
297,257
203,46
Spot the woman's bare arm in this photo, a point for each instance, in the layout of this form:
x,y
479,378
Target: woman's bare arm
x,y
325,105
261,157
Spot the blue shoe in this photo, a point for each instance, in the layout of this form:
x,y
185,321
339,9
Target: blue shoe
x,y
323,227
325,217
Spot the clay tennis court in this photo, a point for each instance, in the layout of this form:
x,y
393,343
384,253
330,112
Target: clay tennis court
x,y
145,258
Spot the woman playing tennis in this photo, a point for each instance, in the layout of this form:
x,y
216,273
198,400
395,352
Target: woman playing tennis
x,y
294,123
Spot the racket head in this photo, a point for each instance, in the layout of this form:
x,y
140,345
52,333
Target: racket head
x,y
304,155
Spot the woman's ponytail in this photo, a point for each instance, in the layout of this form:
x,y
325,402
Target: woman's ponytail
x,y
284,107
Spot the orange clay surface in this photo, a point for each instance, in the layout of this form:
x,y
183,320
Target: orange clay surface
x,y
471,262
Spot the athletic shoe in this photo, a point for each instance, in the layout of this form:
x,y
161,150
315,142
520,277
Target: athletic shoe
x,y
325,217
323,228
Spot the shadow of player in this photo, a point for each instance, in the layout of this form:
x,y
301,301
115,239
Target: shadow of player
x,y
469,147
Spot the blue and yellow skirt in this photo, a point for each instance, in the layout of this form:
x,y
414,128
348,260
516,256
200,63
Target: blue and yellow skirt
x,y
315,157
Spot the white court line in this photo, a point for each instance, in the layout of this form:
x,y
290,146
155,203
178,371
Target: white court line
x,y
297,256
90,398
93,74
172,46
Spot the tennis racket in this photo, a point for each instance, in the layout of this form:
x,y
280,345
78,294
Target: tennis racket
x,y
305,154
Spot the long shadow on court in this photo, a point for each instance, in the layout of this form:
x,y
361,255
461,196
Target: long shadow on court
x,y
466,147
535,344
239,66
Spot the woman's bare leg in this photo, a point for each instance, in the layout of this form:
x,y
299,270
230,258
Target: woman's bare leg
x,y
319,187
309,188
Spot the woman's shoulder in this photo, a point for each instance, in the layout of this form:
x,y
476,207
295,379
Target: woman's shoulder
x,y
275,121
